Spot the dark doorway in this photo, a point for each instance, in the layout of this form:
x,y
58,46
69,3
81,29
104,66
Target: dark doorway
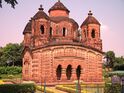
x,y
59,72
78,72
69,72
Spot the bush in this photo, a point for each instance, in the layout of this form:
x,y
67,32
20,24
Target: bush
x,y
112,88
7,76
17,88
10,70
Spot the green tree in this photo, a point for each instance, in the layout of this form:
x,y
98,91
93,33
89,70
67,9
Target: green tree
x,y
110,59
1,53
119,60
11,54
11,2
119,63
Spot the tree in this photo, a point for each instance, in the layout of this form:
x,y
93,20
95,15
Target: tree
x,y
11,54
110,59
119,63
119,60
11,2
1,53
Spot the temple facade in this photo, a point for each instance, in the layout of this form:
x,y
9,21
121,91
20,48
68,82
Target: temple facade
x,y
58,50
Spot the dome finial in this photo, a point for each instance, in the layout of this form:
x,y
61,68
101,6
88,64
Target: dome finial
x,y
41,7
90,13
58,0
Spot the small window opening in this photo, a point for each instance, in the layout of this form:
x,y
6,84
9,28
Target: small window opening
x,y
93,33
64,31
42,29
50,31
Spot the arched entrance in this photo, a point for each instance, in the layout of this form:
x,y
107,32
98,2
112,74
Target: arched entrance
x,y
78,72
69,72
59,72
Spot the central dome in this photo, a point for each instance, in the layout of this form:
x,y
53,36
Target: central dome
x,y
58,9
58,6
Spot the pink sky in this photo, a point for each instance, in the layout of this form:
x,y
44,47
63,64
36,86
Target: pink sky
x,y
109,13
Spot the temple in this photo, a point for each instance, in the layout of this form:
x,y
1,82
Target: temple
x,y
58,50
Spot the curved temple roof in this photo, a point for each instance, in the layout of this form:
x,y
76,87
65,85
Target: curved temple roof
x,y
58,6
27,28
90,20
41,14
59,19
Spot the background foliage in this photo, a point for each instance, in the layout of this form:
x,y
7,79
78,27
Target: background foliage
x,y
11,55
11,2
10,70
17,88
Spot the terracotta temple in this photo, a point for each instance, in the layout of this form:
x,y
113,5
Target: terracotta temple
x,y
58,50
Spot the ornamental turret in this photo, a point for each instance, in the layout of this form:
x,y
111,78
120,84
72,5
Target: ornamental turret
x,y
91,32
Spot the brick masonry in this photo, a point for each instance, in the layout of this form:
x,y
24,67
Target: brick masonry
x,y
55,56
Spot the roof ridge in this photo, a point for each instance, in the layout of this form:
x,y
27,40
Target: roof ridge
x,y
90,20
58,5
41,14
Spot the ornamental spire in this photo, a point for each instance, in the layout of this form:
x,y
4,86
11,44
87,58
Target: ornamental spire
x,y
41,7
90,13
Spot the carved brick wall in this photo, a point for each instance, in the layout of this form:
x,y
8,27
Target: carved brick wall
x,y
45,62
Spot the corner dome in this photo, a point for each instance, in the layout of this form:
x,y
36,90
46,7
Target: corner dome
x,y
27,28
90,20
41,14
58,6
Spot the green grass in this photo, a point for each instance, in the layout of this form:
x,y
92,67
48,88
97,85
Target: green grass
x,y
11,78
6,76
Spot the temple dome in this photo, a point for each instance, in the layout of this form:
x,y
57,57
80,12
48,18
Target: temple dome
x,y
58,6
41,14
90,20
27,28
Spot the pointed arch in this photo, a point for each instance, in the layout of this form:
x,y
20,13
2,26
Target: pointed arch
x,y
59,72
78,72
69,72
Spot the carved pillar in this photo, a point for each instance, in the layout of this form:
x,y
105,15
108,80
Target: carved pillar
x,y
63,76
74,76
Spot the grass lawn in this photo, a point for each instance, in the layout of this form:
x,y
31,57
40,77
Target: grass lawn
x,y
11,78
6,76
